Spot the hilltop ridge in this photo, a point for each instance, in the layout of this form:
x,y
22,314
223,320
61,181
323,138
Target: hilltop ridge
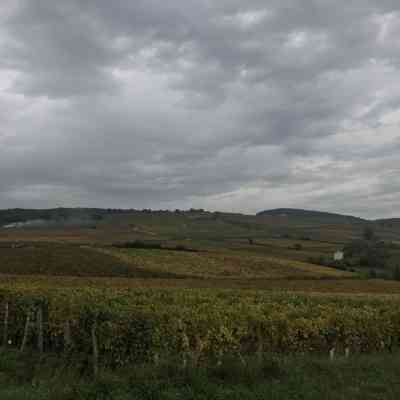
x,y
302,213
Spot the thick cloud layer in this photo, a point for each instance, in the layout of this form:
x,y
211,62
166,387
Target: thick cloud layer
x,y
226,105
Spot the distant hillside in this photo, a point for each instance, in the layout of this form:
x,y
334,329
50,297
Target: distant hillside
x,y
216,229
310,214
389,222
18,217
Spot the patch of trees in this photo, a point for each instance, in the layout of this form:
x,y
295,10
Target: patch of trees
x,y
367,252
369,233
139,244
296,246
330,262
396,273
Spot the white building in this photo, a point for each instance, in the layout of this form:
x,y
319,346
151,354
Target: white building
x,y
338,255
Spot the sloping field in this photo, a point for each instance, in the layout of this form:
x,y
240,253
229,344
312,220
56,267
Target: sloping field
x,y
57,259
75,260
221,264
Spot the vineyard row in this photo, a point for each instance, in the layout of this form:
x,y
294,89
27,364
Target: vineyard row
x,y
118,327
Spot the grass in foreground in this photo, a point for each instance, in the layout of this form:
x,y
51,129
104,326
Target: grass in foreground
x,y
26,377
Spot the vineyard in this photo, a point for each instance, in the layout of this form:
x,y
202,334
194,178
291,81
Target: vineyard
x,y
223,264
137,292
73,260
337,286
69,260
118,327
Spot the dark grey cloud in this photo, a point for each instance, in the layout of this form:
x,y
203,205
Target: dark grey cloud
x,y
226,105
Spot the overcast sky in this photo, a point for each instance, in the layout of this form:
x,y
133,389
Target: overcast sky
x,y
226,105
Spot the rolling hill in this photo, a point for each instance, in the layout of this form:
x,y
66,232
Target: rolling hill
x,y
312,215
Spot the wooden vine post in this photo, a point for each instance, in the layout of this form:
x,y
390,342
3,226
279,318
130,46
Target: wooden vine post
x,y
67,336
5,325
197,350
26,331
39,321
260,344
332,353
95,348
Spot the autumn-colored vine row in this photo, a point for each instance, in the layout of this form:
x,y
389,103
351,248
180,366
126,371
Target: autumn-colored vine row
x,y
118,327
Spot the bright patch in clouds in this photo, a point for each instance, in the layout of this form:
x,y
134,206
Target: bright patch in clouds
x,y
247,19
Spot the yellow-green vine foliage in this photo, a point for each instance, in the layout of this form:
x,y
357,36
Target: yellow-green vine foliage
x,y
137,325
